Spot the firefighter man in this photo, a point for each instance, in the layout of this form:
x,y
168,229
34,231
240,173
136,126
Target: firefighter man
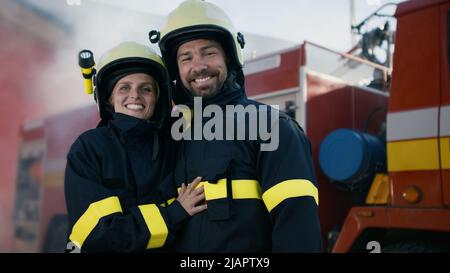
x,y
258,201
113,171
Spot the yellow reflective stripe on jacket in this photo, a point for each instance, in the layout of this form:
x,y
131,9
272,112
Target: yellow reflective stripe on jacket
x,y
246,189
215,191
168,202
242,189
155,224
288,189
87,222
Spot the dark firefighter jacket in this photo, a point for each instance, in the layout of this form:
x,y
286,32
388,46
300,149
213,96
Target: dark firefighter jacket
x,y
111,189
258,201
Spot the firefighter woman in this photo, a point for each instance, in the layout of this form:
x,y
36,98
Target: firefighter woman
x,y
258,200
112,181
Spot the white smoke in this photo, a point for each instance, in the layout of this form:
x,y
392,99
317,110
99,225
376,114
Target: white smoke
x,y
89,25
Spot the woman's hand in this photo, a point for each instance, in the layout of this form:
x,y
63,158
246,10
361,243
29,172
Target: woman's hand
x,y
190,197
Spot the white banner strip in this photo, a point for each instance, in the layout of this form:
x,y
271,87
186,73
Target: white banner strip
x,y
264,64
413,124
445,121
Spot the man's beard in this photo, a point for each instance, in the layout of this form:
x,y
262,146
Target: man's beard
x,y
209,90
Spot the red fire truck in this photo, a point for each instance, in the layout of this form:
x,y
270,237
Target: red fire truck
x,y
380,140
40,221
407,208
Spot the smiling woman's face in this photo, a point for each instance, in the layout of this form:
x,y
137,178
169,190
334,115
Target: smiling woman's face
x,y
135,95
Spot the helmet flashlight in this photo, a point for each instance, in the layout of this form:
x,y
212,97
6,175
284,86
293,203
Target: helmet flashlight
x,y
86,63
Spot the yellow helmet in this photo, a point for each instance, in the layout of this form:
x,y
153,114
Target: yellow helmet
x,y
198,19
124,59
126,51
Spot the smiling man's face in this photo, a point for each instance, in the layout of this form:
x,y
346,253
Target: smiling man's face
x,y
202,67
135,95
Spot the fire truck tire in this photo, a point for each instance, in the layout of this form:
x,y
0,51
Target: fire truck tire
x,y
410,247
56,235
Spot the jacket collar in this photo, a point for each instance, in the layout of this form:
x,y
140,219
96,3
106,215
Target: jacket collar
x,y
129,128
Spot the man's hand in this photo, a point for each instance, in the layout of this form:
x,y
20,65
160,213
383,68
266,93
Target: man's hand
x,y
190,197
